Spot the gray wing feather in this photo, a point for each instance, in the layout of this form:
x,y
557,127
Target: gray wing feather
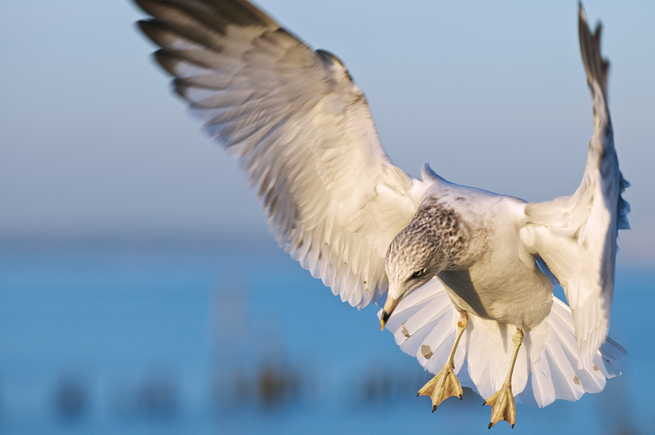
x,y
576,235
302,131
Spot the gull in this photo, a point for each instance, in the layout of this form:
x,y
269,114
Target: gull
x,y
468,274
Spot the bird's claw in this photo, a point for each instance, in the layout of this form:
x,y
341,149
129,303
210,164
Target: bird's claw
x,y
442,386
502,406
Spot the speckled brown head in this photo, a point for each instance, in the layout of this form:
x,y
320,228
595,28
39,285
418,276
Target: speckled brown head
x,y
430,244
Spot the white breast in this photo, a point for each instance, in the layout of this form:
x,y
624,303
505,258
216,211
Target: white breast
x,y
502,281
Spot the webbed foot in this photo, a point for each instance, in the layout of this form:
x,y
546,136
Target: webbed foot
x,y
502,406
442,386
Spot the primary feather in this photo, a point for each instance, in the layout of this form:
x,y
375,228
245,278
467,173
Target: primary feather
x,y
576,235
302,131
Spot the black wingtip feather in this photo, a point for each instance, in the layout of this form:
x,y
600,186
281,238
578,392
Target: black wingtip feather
x,y
151,28
242,12
165,60
215,13
595,66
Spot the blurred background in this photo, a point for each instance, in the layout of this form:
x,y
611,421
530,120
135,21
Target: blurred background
x,y
140,292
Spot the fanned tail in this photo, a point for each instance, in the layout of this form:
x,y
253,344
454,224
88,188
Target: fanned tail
x,y
558,373
547,368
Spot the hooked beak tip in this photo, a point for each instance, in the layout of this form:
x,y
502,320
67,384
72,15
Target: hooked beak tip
x,y
387,310
383,320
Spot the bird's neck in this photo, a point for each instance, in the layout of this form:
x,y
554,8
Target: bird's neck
x,y
451,234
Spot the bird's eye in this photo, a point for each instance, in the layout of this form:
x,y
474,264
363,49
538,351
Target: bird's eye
x,y
418,273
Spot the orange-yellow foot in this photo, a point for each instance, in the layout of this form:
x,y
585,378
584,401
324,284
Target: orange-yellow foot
x,y
442,386
502,406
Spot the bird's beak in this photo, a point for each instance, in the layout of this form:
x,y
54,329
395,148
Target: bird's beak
x,y
388,308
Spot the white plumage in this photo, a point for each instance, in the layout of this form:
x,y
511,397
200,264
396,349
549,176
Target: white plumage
x,y
424,324
304,135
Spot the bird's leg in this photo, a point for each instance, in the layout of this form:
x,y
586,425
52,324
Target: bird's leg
x,y
446,384
502,402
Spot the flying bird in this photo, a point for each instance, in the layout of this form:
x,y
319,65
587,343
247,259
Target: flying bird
x,y
467,274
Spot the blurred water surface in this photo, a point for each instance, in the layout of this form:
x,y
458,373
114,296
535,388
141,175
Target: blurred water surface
x,y
237,338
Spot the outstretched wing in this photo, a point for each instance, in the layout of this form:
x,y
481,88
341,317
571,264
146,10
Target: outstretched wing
x,y
302,131
576,235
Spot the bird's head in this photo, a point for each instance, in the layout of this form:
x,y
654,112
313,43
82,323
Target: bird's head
x,y
414,257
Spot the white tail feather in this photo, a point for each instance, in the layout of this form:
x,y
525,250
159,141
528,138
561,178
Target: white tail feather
x,y
547,367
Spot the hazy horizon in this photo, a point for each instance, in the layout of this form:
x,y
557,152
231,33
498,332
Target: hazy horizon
x,y
94,145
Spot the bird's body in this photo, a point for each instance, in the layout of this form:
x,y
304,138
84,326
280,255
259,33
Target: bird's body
x,y
467,274
490,273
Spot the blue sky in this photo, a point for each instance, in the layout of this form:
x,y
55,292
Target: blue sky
x,y
492,94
